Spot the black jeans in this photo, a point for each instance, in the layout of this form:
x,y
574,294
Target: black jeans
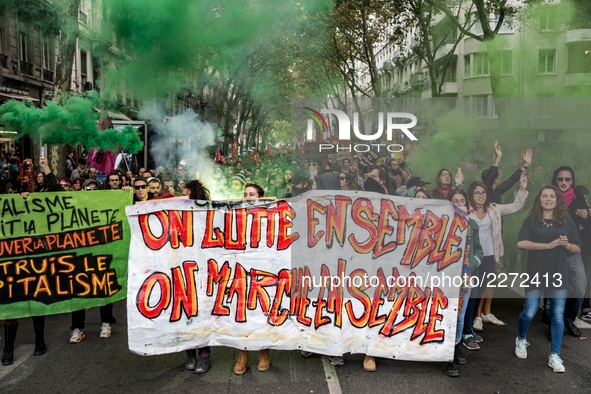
x,y
78,317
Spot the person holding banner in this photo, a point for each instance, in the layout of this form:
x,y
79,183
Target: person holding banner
x,y
459,199
49,182
196,191
252,191
551,236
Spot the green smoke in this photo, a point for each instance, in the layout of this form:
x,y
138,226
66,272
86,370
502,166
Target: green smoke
x,y
73,123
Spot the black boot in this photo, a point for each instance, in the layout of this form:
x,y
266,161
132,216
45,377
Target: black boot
x,y
451,370
459,355
39,326
9,337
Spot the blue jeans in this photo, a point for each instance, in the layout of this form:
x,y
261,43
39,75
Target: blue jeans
x,y
556,299
460,327
576,287
483,269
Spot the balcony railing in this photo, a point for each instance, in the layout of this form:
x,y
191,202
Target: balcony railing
x,y
47,75
3,60
26,68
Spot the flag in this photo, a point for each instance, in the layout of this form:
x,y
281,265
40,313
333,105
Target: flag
x,y
234,150
269,154
219,158
255,156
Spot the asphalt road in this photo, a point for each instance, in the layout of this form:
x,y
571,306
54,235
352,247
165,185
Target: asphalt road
x,y
107,366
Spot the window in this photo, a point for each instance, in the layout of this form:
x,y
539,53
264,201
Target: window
x,y
24,47
579,58
506,62
467,65
481,106
83,65
47,55
476,64
548,18
544,104
547,61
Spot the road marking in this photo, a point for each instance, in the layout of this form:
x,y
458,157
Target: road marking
x,y
21,354
332,380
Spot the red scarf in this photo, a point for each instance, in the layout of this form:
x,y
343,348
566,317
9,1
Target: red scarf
x,y
568,196
444,190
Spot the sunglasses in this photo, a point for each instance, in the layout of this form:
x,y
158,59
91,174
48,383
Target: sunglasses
x,y
140,187
564,179
342,178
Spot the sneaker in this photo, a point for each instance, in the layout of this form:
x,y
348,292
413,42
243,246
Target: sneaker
x,y
478,338
555,363
586,316
451,370
305,354
477,325
521,347
337,361
77,335
191,363
492,319
469,343
204,363
105,330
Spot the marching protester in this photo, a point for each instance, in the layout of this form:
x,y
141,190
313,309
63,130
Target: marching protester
x,y
252,191
563,178
490,177
488,217
459,199
198,360
550,236
47,182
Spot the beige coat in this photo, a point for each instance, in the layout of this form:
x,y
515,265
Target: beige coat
x,y
495,212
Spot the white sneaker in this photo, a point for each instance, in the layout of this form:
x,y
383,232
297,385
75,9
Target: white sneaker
x,y
521,347
492,319
477,325
105,330
555,363
77,335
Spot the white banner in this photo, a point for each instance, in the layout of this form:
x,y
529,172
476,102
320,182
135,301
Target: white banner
x,y
354,272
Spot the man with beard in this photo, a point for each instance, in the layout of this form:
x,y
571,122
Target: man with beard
x,y
354,171
564,179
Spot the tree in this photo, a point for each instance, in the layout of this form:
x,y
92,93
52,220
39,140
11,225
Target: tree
x,y
432,39
489,16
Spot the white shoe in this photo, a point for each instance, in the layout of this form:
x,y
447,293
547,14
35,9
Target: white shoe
x,y
555,363
492,319
477,325
521,347
77,335
105,330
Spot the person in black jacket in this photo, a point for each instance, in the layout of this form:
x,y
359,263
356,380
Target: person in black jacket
x,y
490,177
51,183
564,179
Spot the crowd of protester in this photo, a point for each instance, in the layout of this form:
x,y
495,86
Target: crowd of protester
x,y
557,232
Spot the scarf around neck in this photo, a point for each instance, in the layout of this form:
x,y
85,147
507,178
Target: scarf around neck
x,y
568,196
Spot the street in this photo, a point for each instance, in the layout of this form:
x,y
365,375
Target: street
x,y
106,365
